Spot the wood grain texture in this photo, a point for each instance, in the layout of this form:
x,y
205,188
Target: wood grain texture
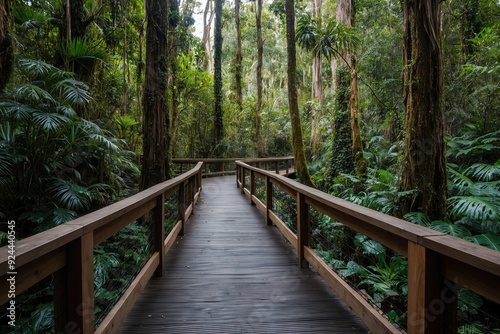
x,y
231,273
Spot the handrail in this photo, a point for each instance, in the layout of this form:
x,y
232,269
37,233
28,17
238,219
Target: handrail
x,y
67,250
223,168
432,256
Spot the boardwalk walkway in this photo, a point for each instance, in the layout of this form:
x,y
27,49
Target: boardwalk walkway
x,y
231,273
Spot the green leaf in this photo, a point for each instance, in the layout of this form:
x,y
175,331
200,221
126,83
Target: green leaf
x,y
475,207
451,229
487,240
418,218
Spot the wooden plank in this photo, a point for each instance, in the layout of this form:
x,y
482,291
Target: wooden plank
x,y
475,279
32,273
258,203
394,241
287,233
111,324
233,274
158,232
481,257
36,246
80,283
170,239
302,229
423,290
374,320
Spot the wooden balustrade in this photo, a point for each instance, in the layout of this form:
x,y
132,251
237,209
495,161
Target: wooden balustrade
x,y
67,251
283,165
437,262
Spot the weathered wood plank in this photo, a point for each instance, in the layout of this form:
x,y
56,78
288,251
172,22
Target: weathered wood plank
x,y
231,273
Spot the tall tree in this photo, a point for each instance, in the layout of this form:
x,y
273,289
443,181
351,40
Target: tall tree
x,y
6,51
218,112
155,167
424,168
239,57
261,150
347,60
317,87
172,72
208,16
293,104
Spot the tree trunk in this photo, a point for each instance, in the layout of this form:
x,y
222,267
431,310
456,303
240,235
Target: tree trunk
x,y
424,169
6,51
205,41
317,90
261,151
155,166
345,15
218,112
238,58
297,143
172,79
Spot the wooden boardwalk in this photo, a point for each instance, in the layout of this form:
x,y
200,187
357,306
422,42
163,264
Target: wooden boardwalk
x,y
231,273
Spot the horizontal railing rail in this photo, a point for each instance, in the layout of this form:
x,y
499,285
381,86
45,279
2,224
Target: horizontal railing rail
x,y
216,167
67,251
436,262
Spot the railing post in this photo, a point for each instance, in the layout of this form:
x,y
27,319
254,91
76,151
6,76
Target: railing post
x,y
243,180
80,285
277,167
158,232
252,186
302,228
181,207
269,200
428,298
286,167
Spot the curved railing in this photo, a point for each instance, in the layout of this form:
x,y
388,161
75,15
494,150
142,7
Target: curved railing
x,y
437,263
67,253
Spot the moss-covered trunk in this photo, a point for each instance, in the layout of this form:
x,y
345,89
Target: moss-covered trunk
x,y
261,151
155,115
6,51
297,143
424,168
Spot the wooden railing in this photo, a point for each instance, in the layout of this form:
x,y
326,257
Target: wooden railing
x,y
216,167
437,262
67,252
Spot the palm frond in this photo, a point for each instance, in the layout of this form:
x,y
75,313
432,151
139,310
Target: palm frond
x,y
36,68
484,172
73,92
15,111
418,218
449,228
34,94
475,207
70,195
50,122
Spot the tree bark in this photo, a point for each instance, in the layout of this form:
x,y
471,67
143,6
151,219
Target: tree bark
x,y
317,90
6,51
261,151
208,16
345,16
218,111
424,168
297,143
238,58
172,73
155,166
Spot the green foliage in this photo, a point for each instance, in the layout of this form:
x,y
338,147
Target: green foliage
x,y
55,164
